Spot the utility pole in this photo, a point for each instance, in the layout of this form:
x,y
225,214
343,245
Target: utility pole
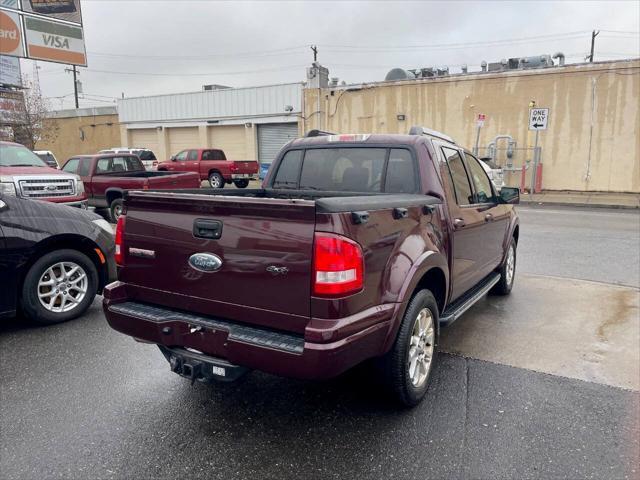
x,y
314,49
75,83
75,86
594,34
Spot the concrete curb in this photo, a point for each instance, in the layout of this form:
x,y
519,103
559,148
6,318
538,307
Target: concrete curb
x,y
539,203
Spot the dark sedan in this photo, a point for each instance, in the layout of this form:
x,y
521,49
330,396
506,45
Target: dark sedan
x,y
53,259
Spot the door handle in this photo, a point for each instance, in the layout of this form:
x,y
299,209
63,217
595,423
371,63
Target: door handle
x,y
458,223
205,228
488,217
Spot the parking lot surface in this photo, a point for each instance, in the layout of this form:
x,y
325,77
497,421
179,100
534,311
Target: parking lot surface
x,y
541,384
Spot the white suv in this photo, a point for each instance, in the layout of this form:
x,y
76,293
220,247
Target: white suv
x,y
146,156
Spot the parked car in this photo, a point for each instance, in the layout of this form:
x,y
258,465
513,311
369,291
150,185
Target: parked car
x,y
494,172
212,164
147,157
358,247
25,175
264,169
47,157
106,177
54,259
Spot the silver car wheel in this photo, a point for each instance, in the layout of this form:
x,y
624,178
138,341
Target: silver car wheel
x,y
511,264
421,348
62,287
214,181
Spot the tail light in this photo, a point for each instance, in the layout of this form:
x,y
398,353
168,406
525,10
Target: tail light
x,y
120,240
338,266
234,167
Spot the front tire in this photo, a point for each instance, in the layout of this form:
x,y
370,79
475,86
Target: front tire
x,y
216,180
241,183
507,272
408,365
59,286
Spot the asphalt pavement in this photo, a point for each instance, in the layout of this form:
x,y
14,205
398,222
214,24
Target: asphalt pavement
x,y
79,400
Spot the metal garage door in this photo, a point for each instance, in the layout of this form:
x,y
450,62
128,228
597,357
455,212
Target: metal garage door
x,y
182,139
271,138
230,138
145,138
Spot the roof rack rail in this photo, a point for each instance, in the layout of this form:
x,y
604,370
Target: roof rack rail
x,y
418,130
318,133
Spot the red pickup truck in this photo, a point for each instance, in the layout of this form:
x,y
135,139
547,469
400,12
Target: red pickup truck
x,y
107,176
358,247
24,175
212,164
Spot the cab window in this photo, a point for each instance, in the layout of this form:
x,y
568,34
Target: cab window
x,y
458,175
192,156
182,156
481,182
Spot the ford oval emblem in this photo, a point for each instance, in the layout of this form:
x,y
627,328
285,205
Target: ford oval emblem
x,y
205,262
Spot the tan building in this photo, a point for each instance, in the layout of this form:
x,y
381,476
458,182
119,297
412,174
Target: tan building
x,y
593,138
82,131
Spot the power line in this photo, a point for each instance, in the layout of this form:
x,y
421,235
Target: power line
x,y
181,74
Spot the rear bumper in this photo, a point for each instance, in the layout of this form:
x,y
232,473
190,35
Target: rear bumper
x,y
247,346
244,176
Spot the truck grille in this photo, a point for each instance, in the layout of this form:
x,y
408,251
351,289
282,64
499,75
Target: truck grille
x,y
47,187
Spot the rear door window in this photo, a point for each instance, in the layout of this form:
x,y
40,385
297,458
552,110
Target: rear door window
x,y
460,180
213,155
288,170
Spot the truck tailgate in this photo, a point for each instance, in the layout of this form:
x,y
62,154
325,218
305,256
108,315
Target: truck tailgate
x,y
246,166
265,249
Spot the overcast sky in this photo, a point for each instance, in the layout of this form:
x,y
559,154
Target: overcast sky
x,y
155,47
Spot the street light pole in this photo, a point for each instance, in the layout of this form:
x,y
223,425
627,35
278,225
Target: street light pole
x,y
75,86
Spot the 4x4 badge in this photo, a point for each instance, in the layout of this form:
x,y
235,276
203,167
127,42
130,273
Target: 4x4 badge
x,y
273,270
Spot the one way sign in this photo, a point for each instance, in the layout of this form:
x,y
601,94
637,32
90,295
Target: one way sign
x,y
538,118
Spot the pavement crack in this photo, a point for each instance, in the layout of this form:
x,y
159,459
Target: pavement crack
x,y
463,447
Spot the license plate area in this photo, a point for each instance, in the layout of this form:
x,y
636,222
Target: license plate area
x,y
199,367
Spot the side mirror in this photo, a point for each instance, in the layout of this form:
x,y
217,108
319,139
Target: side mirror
x,y
510,195
173,158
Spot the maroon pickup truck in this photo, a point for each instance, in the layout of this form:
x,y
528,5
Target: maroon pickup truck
x,y
357,247
107,176
212,164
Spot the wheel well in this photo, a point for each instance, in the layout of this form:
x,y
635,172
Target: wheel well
x,y
112,195
516,233
214,170
67,242
435,281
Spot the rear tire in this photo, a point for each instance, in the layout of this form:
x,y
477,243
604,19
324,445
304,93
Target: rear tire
x,y
59,286
115,210
507,272
407,367
241,183
216,180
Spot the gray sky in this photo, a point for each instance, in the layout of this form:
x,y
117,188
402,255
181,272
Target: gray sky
x,y
163,46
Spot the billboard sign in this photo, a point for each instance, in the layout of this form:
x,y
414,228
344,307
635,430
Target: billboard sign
x,y
49,30
68,10
10,34
12,110
10,71
54,42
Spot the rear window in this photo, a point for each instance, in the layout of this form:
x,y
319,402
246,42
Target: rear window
x,y
357,169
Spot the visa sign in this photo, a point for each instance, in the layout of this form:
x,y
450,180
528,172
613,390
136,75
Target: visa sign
x,y
55,42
